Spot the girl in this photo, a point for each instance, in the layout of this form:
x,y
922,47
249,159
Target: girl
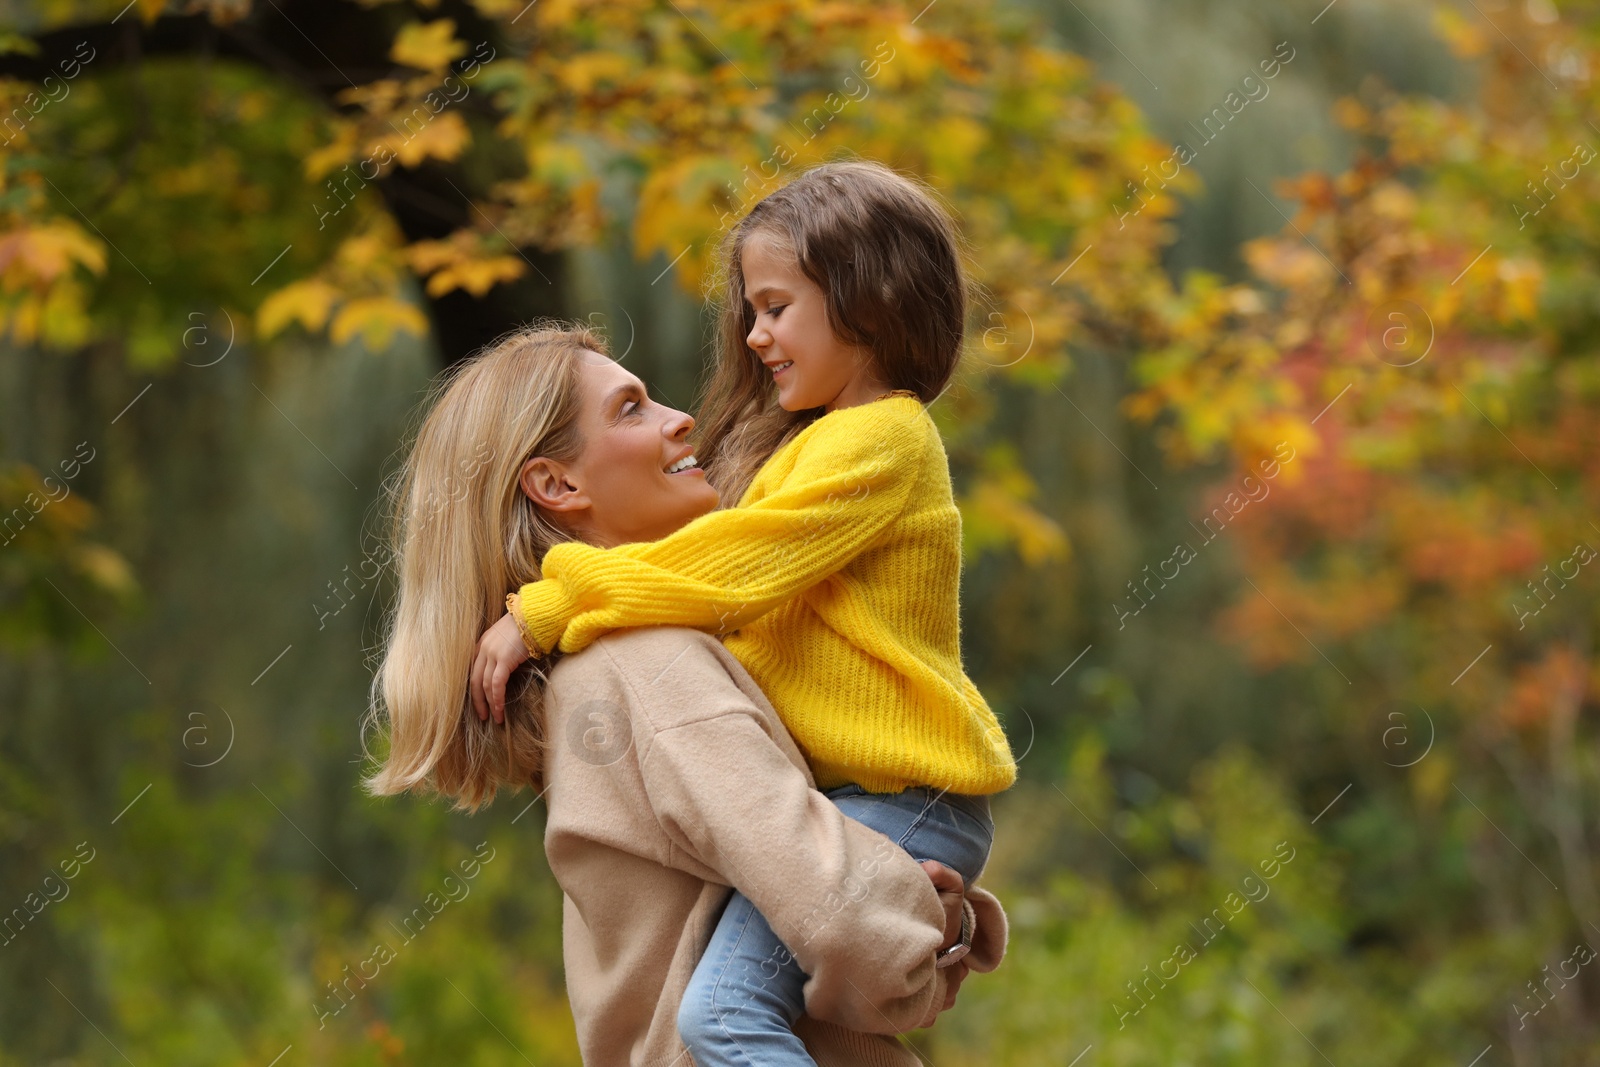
x,y
836,578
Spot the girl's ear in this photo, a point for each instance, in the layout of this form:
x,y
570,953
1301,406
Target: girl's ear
x,y
549,484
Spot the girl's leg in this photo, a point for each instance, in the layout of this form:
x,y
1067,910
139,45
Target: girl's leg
x,y
744,997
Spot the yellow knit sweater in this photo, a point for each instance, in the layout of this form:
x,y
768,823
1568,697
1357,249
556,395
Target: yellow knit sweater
x,y
840,573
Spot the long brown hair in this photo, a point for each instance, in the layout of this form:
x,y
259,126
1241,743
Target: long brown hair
x,y
462,533
884,250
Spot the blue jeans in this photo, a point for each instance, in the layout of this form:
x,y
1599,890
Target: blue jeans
x,y
745,995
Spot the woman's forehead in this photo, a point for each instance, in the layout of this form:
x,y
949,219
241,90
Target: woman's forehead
x,y
604,378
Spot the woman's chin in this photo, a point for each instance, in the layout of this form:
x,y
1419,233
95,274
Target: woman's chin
x,y
698,495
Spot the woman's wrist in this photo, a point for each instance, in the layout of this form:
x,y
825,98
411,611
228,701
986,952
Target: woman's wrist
x,y
969,924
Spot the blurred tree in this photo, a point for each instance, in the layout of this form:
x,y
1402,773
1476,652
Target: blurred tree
x,y
501,134
331,54
1424,334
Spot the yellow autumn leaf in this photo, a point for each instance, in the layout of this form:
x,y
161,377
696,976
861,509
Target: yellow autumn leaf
x,y
427,45
994,515
63,244
1464,37
19,320
150,10
677,210
15,42
561,163
1445,302
426,257
63,319
557,14
1277,437
105,567
997,512
1522,280
375,97
582,73
1351,113
1144,406
306,302
476,276
366,254
1394,202
1290,264
333,155
954,138
41,254
443,138
376,318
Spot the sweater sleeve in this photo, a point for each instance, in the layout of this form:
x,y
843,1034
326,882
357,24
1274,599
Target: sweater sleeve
x,y
861,917
850,481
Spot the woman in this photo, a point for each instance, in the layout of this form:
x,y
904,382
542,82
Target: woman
x,y
667,775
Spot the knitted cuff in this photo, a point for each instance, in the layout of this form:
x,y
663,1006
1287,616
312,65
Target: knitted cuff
x,y
543,611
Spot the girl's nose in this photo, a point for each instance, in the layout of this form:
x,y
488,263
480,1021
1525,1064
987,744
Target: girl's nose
x,y
758,338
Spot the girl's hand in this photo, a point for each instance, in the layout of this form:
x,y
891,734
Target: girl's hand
x,y
500,651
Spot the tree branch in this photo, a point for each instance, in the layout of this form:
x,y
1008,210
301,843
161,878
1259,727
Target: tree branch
x,y
322,48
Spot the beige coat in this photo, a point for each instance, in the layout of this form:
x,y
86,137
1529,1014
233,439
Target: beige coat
x,y
671,778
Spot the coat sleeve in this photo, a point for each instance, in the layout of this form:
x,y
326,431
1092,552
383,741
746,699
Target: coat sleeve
x,y
989,933
849,482
860,916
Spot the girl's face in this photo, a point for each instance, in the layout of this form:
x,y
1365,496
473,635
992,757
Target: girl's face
x,y
622,488
811,366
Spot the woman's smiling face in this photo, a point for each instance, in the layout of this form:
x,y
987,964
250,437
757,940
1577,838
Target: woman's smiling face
x,y
792,335
630,482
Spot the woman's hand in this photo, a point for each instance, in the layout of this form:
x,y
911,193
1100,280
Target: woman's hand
x,y
947,880
501,651
951,889
958,973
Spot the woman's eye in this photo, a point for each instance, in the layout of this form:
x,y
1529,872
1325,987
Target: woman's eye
x,y
634,408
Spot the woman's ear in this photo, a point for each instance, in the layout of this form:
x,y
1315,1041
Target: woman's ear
x,y
549,484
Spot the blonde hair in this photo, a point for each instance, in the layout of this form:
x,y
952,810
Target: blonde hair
x,y
885,252
463,534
